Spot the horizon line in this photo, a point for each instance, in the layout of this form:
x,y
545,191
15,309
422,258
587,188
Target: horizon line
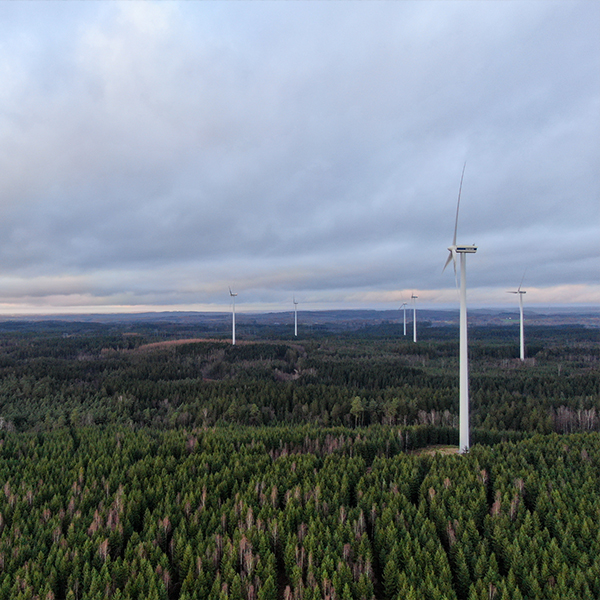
x,y
575,307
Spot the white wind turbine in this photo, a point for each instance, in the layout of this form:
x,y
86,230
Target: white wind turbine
x,y
414,300
520,292
404,308
232,318
463,347
295,317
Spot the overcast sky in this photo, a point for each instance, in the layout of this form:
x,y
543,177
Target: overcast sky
x,y
153,154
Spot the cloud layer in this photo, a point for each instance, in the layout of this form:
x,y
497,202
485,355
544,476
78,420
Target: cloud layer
x,y
151,154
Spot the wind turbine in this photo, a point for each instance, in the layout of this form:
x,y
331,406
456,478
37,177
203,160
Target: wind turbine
x,y
414,299
463,346
404,307
295,317
232,318
520,292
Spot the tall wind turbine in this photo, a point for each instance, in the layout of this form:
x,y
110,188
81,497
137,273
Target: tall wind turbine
x,y
232,318
414,299
295,317
463,347
520,292
404,307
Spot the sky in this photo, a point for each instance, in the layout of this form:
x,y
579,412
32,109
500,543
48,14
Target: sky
x,y
154,154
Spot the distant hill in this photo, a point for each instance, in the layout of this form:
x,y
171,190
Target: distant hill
x,y
587,317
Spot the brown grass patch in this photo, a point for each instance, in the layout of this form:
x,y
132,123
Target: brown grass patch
x,y
171,343
432,450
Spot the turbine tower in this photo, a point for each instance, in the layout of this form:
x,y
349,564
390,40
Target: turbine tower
x,y
295,317
463,347
232,318
414,299
404,308
520,292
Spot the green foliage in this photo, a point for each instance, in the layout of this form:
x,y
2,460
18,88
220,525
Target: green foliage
x,y
81,375
291,469
238,512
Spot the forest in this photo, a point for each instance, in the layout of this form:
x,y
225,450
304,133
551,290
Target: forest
x,y
159,461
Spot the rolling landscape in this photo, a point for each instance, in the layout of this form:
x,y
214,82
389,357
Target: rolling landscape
x,y
236,360
151,458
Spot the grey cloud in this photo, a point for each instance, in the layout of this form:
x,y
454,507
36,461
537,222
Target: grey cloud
x,y
275,139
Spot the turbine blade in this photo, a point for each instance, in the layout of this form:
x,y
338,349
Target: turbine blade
x,y
455,274
522,278
458,204
451,257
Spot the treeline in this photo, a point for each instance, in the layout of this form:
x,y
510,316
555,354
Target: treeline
x,y
105,376
295,513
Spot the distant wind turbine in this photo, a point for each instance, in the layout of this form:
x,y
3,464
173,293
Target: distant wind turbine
x,y
520,292
404,307
295,317
232,318
463,346
414,299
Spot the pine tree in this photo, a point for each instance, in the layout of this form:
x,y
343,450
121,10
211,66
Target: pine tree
x,y
268,591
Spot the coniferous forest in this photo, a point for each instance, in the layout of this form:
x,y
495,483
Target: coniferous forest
x,y
160,462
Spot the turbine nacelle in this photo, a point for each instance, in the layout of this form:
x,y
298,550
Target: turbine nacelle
x,y
518,290
454,250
